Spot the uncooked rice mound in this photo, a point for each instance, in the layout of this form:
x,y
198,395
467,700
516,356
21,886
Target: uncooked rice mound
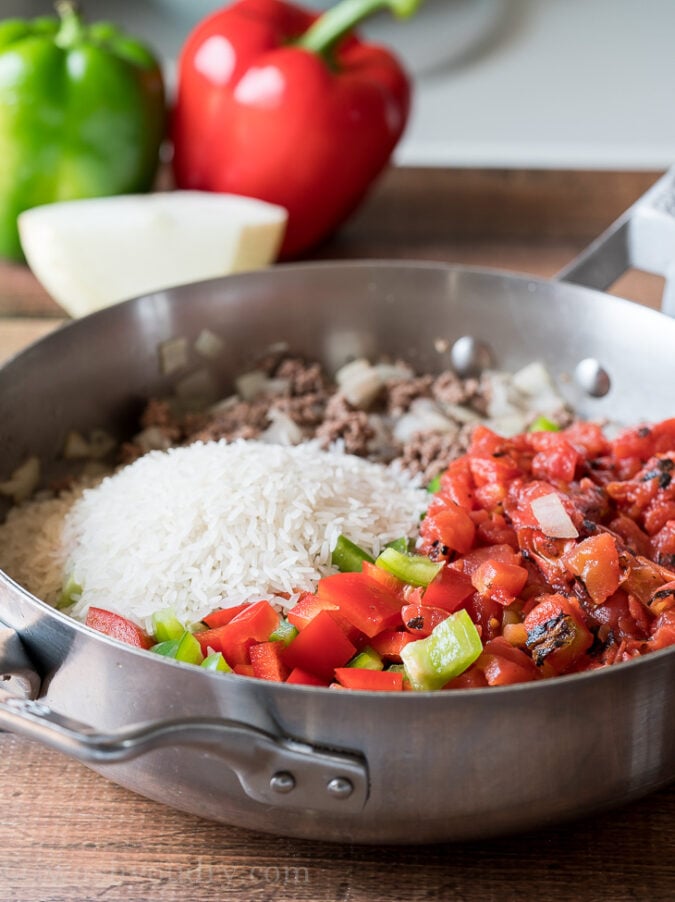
x,y
216,524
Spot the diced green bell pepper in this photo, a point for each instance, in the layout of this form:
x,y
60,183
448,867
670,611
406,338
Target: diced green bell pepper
x,y
216,661
82,114
543,424
166,625
452,647
368,659
167,649
285,632
189,650
413,569
400,544
69,594
348,557
435,485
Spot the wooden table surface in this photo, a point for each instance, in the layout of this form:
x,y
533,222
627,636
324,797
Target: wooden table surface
x,y
68,835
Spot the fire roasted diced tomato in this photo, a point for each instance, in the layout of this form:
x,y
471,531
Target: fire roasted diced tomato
x,y
556,633
420,620
500,580
448,589
596,562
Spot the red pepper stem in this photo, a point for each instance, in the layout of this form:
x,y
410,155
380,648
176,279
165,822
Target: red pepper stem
x,y
71,29
334,24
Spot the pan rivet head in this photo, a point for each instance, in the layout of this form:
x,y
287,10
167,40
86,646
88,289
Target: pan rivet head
x,y
592,377
340,787
470,356
282,782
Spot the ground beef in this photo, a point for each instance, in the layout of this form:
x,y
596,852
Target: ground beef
x,y
400,393
302,391
429,453
303,378
242,419
343,422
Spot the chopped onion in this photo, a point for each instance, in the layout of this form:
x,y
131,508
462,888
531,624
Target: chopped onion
x,y
153,439
359,382
282,429
208,344
76,447
553,519
173,355
250,385
424,415
23,481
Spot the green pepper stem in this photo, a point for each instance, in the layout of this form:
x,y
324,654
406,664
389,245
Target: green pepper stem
x,y
334,24
71,29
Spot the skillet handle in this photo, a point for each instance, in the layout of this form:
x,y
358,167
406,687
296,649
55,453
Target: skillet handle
x,y
272,770
642,238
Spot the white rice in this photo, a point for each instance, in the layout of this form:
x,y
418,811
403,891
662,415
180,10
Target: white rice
x,y
212,525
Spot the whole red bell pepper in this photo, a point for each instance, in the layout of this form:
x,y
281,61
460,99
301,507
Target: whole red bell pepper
x,y
276,103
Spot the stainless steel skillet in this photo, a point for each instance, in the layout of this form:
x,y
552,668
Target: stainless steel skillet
x,y
341,766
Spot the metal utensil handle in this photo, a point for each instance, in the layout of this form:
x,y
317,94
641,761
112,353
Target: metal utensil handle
x,y
642,238
273,770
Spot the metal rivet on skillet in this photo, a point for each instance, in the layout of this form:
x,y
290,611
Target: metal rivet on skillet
x,y
340,787
470,356
282,782
592,377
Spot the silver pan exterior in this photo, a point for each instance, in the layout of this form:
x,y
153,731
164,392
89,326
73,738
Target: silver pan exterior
x,y
341,766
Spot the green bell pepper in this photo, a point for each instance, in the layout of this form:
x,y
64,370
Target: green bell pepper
x,y
82,114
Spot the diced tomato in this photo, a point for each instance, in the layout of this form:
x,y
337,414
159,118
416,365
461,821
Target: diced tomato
x,y
556,459
496,530
457,483
642,442
663,633
366,604
267,663
502,581
596,562
388,643
220,618
320,647
499,671
557,634
118,627
633,537
587,438
370,680
486,613
473,678
448,589
420,620
451,526
470,562
305,678
254,624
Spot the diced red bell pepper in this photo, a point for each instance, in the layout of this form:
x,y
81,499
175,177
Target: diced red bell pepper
x,y
223,616
448,589
370,680
379,575
596,561
420,620
304,678
254,624
320,647
118,627
367,604
502,581
266,661
306,608
388,643
244,670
